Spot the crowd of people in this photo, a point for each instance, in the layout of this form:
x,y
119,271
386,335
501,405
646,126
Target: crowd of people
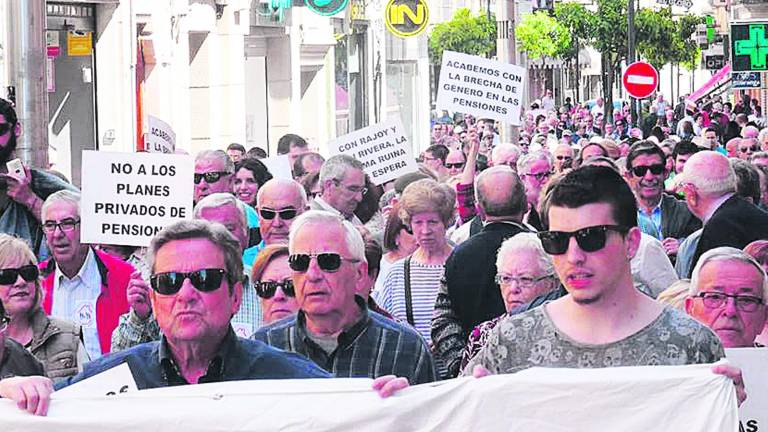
x,y
586,242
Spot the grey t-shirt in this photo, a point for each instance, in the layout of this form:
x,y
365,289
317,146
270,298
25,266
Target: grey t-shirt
x,y
531,339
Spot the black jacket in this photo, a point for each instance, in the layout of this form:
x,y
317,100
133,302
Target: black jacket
x,y
470,272
735,223
676,220
16,361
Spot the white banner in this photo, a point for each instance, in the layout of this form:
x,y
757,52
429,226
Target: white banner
x,y
160,138
481,87
754,369
128,197
640,399
382,148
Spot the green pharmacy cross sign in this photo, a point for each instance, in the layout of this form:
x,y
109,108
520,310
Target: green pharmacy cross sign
x,y
749,47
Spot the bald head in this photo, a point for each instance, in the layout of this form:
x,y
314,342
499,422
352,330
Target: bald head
x,y
750,132
500,194
279,201
711,173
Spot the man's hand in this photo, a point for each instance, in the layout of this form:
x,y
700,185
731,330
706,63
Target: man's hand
x,y
387,385
671,245
138,296
734,373
32,394
19,189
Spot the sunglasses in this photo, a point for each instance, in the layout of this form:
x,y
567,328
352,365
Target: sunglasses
x,y
5,127
639,171
746,149
561,157
328,262
210,177
29,273
454,165
204,280
590,239
267,289
285,214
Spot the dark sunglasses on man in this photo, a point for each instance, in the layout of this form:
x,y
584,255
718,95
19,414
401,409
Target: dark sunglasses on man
x,y
590,239
746,149
29,273
456,165
285,214
639,171
267,289
328,262
210,177
204,280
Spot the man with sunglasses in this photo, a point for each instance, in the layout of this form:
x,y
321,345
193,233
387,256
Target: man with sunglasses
x,y
343,181
455,162
728,294
563,156
213,173
81,284
334,327
15,360
278,203
659,215
747,146
21,198
604,321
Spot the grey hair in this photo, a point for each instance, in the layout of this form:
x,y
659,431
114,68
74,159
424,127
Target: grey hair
x,y
286,182
222,199
220,155
725,253
63,195
526,160
525,242
335,168
761,136
352,237
505,146
202,229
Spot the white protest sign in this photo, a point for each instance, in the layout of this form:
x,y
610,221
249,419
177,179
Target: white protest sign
x,y
127,198
632,399
382,148
279,166
111,382
160,138
481,87
754,369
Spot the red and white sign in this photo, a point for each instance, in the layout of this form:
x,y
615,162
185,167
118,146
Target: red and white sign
x,y
640,79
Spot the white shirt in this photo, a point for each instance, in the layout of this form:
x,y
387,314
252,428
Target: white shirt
x,y
329,208
652,271
75,300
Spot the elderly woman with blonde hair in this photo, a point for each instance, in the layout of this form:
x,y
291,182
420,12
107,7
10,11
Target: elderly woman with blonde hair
x,y
410,287
57,344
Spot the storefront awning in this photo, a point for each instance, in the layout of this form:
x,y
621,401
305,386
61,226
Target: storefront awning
x,y
722,74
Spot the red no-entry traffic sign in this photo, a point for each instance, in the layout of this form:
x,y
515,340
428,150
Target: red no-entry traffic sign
x,y
640,79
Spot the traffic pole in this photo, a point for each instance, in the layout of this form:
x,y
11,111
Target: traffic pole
x,y
631,54
505,51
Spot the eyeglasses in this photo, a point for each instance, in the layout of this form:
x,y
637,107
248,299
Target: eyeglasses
x,y
352,189
285,214
5,127
267,289
590,239
66,225
28,272
210,177
4,320
562,157
328,262
746,149
716,300
456,165
522,281
540,176
205,280
639,171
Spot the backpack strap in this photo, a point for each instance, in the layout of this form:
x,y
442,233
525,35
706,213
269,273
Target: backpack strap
x,y
408,300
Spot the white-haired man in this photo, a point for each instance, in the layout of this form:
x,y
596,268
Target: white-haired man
x,y
334,327
728,293
343,181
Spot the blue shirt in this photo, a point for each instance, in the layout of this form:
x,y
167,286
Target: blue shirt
x,y
153,366
651,225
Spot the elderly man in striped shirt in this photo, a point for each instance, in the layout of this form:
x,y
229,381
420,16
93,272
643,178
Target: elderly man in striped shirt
x,y
333,327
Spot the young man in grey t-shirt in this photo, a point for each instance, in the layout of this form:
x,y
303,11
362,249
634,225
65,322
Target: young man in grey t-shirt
x,y
603,321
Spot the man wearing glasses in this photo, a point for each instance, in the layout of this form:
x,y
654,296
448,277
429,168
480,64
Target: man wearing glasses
x,y
279,202
81,284
15,360
535,170
333,326
213,173
603,321
343,182
728,293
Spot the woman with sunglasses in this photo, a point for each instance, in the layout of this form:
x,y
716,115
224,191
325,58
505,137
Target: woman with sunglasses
x,y
410,288
250,175
271,278
57,344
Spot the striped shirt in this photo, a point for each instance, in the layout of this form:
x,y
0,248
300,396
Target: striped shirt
x,y
374,346
425,282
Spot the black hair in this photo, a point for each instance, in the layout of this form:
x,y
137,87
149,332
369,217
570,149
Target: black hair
x,y
684,148
260,171
237,147
589,185
287,141
7,111
256,153
747,180
644,148
438,151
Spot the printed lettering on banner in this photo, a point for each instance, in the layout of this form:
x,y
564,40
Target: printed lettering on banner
x,y
481,87
127,198
112,382
382,148
160,138
753,413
